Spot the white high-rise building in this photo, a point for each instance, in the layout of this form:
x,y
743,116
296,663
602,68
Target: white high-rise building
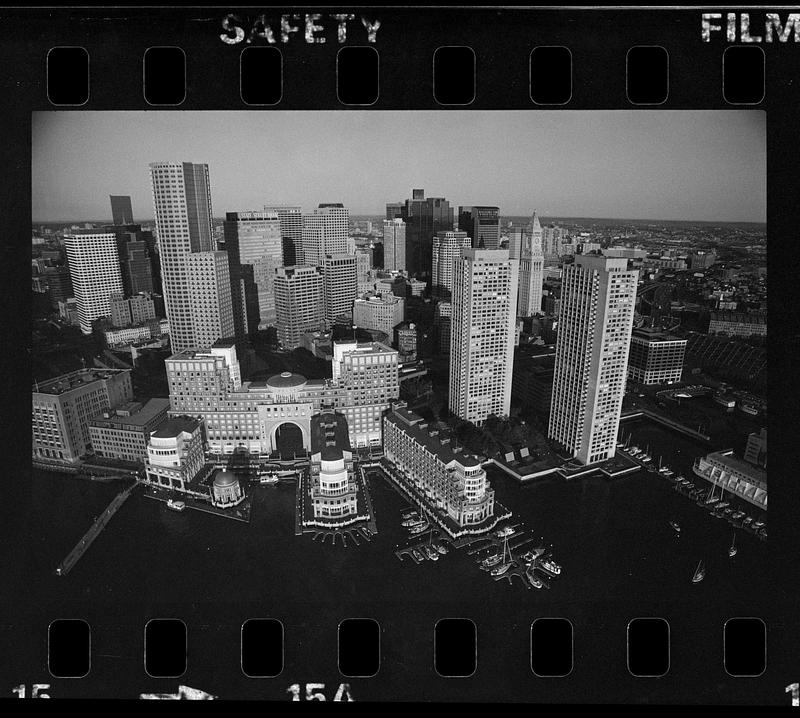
x,y
394,244
299,306
598,295
182,204
340,277
94,268
210,299
482,333
382,312
445,253
324,232
531,271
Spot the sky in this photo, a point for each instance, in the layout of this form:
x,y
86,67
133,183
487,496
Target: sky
x,y
638,164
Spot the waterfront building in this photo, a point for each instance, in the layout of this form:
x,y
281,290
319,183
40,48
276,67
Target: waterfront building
x,y
756,451
94,270
291,221
531,271
482,334
123,432
598,295
121,209
175,455
453,483
655,357
340,282
332,483
382,312
325,232
394,244
738,324
299,305
735,476
226,491
446,251
64,406
482,224
251,415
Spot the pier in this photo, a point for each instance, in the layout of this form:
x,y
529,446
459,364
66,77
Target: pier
x,y
99,524
665,421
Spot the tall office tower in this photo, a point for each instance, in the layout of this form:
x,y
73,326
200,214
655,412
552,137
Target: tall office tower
x,y
94,269
299,305
447,248
598,295
324,232
254,244
340,275
210,297
394,244
291,218
515,239
553,238
394,210
482,333
424,217
121,209
364,269
182,203
531,271
482,224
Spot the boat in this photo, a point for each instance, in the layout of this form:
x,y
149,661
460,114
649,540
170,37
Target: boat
x,y
417,555
733,550
737,515
668,473
410,514
410,523
699,573
534,580
747,521
491,560
431,553
763,533
505,532
748,408
441,548
723,505
500,570
676,526
419,528
712,500
728,512
176,505
724,400
267,479
757,524
550,566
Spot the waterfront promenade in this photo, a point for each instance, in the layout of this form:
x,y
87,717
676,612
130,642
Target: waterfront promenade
x,y
94,531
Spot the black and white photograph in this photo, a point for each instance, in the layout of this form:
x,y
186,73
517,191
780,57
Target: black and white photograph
x,y
400,403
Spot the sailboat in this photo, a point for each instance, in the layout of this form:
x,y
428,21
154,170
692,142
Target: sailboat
x,y
699,573
502,568
732,551
675,525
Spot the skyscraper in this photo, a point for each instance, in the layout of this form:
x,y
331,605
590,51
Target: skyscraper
x,y
531,271
121,209
211,303
324,232
94,269
299,306
182,203
424,217
340,279
394,244
291,219
482,333
482,224
254,244
446,251
598,295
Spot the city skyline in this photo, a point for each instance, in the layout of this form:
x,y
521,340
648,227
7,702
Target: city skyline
x,y
688,166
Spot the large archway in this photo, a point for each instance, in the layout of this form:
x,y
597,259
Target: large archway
x,y
288,441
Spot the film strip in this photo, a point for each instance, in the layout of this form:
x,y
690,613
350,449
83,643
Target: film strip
x,y
604,578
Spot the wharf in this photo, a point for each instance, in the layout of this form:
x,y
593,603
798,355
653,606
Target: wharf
x,y
94,531
241,512
664,421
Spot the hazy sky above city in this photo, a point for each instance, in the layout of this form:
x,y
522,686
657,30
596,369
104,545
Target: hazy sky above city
x,y
690,165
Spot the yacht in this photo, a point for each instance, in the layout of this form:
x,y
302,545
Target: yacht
x,y
699,573
176,505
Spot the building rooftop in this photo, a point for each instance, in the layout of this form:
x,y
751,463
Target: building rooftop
x,y
176,426
75,380
415,426
286,380
655,335
225,478
329,435
132,415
